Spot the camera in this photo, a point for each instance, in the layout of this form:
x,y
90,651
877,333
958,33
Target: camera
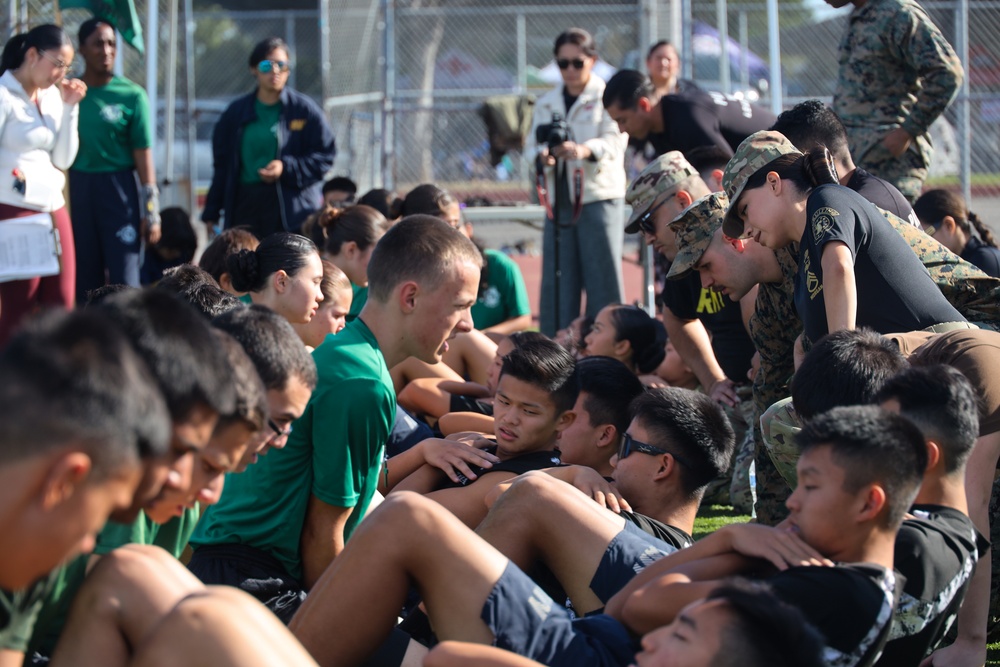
x,y
554,133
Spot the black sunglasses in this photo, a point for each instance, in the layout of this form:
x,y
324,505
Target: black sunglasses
x,y
646,223
564,63
629,445
278,432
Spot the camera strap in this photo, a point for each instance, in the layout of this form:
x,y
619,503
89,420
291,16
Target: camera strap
x,y
577,184
576,187
541,187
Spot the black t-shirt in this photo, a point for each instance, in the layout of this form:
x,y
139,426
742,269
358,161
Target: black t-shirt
x,y
986,257
470,404
661,531
851,605
894,290
688,300
517,465
936,552
694,117
883,194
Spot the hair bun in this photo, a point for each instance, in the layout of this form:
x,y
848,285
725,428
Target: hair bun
x,y
244,270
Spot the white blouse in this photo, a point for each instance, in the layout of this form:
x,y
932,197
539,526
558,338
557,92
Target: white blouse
x,y
37,141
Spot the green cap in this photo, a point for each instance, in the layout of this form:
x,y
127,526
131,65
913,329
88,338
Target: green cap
x,y
757,151
658,177
695,227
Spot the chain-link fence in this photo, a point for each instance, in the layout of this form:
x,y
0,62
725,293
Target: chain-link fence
x,y
402,81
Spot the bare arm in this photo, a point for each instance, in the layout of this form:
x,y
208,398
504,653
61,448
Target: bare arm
x,y
322,538
10,658
456,422
839,288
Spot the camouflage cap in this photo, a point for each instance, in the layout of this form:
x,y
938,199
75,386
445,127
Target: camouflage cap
x,y
757,151
658,177
695,227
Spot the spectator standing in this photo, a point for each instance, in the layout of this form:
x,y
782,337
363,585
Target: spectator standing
x,y
271,149
897,71
38,139
584,222
113,210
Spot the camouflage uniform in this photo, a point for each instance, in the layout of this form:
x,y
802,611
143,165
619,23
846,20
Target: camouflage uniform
x,y
778,427
896,70
695,227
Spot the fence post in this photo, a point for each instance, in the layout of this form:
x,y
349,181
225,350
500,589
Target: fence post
x,y
189,96
722,21
964,121
687,39
774,55
324,50
388,102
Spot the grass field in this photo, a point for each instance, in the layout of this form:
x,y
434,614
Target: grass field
x,y
716,516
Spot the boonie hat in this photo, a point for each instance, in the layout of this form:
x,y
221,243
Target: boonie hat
x,y
658,177
757,151
695,227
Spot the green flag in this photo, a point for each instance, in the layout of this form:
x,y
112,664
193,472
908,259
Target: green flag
x,y
120,14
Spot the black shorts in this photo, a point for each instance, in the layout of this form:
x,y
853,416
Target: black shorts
x,y
628,554
528,622
252,571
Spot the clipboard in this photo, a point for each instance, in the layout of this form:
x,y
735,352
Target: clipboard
x,y
29,248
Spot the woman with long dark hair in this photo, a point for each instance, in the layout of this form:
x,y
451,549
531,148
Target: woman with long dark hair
x,y
38,142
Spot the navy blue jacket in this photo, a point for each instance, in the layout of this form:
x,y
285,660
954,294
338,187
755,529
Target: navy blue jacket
x,y
306,149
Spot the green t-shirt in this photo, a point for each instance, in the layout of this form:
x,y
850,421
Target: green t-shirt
x,y
259,144
171,537
19,611
114,121
335,452
505,296
357,301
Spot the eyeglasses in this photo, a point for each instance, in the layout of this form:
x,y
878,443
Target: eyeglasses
x,y
629,445
278,432
266,66
55,61
577,63
646,223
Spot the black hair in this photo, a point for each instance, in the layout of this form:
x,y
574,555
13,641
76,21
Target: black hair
x,y
546,365
764,631
251,396
74,378
379,199
692,425
806,170
99,294
932,206
334,227
340,184
609,386
177,233
873,446
89,27
284,251
704,158
425,199
943,405
578,37
846,367
272,344
421,248
45,37
225,244
625,88
194,285
179,348
646,335
654,47
264,47
810,124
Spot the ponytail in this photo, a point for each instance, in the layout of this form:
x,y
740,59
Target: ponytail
x,y
13,52
934,205
984,233
360,224
818,167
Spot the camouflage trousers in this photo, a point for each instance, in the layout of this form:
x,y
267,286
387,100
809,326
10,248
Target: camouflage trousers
x,y
907,172
775,461
734,487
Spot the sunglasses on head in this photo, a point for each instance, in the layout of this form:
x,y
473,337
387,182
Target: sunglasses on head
x,y
266,66
577,63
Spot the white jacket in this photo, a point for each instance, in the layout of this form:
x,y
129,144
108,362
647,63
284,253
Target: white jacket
x,y
38,141
591,125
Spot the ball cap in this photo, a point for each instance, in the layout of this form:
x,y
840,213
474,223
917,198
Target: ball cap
x,y
658,177
757,151
695,227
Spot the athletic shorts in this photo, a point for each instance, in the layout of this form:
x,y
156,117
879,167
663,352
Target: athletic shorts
x,y
252,571
628,554
526,621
